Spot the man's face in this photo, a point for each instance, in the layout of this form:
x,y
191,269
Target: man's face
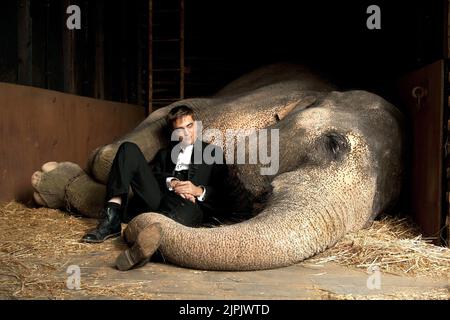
x,y
186,129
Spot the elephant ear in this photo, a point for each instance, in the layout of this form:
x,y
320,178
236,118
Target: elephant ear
x,y
302,103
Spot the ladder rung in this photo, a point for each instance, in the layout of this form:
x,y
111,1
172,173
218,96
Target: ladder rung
x,y
166,40
166,11
166,99
165,82
163,70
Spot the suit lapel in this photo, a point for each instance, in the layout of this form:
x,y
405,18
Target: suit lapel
x,y
170,164
193,167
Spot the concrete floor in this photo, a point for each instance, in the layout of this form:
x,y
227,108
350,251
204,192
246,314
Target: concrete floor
x,y
302,281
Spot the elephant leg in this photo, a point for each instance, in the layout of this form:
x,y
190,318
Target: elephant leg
x,y
65,185
51,181
86,196
150,136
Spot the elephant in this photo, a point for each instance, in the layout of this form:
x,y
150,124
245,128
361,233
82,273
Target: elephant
x,y
340,165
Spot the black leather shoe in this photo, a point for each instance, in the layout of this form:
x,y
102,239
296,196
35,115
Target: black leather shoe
x,y
109,226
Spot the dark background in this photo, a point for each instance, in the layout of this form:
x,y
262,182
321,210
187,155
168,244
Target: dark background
x,y
329,35
225,39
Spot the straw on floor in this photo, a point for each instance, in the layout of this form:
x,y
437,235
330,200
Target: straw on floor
x,y
36,243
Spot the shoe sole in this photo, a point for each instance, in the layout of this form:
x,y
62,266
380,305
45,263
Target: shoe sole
x,y
146,244
113,235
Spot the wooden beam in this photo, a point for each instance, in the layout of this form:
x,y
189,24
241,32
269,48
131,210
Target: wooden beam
x,y
123,49
140,50
87,65
99,86
24,43
182,66
68,53
150,57
46,45
446,13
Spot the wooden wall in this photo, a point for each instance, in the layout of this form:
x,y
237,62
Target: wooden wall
x,y
38,125
105,59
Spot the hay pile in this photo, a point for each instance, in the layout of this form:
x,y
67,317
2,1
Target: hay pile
x,y
393,245
36,246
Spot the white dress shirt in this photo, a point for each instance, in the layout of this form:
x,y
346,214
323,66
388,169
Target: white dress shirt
x,y
183,162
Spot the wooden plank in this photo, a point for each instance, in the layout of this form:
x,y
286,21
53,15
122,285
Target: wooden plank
x,y
123,48
150,57
140,50
99,86
54,57
68,54
427,123
86,65
24,43
39,40
446,27
47,44
182,48
39,125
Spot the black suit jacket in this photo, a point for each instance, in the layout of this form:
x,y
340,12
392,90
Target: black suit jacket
x,y
211,176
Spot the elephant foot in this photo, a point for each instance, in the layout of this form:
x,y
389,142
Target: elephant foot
x,y
146,244
51,181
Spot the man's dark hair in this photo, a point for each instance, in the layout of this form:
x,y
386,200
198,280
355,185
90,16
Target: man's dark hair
x,y
179,112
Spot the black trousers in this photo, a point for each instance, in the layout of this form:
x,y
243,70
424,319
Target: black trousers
x,y
130,169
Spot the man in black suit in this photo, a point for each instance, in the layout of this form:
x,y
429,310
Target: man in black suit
x,y
178,183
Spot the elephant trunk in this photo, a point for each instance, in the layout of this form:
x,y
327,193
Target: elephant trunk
x,y
284,233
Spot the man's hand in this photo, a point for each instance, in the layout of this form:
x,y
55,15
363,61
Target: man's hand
x,y
174,182
188,196
183,187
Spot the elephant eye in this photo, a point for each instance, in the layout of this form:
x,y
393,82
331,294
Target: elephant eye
x,y
335,145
